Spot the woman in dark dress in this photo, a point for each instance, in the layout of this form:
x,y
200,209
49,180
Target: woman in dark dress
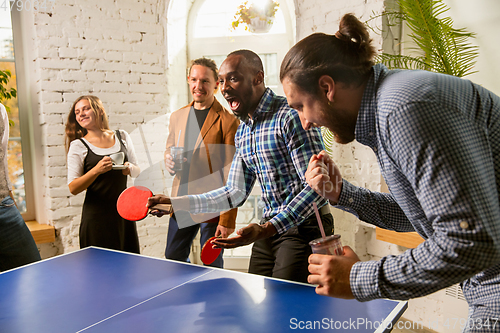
x,y
89,143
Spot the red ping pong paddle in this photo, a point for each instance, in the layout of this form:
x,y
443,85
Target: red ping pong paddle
x,y
209,254
131,204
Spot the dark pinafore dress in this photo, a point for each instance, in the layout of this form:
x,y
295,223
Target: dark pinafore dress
x,y
101,225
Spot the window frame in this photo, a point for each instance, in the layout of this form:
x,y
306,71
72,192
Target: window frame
x,y
25,113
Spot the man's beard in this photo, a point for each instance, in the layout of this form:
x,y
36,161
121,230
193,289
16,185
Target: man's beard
x,y
340,125
242,115
244,108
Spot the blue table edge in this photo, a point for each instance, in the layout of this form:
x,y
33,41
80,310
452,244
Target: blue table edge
x,y
385,327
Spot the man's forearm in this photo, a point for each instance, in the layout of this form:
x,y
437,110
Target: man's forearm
x,y
180,203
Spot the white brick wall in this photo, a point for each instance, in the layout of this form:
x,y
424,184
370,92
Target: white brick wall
x,y
111,49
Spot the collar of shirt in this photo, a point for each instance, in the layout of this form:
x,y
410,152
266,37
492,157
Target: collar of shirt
x,y
265,105
365,131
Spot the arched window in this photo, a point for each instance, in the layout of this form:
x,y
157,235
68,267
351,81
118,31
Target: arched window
x,y
210,35
214,17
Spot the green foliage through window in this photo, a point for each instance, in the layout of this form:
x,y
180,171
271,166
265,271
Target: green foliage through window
x,y
5,92
444,49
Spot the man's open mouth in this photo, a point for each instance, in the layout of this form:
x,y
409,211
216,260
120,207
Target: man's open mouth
x,y
234,103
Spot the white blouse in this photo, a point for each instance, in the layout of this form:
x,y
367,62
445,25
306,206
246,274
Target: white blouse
x,y
77,153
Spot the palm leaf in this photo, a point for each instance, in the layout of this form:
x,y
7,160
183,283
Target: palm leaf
x,y
401,61
6,94
445,49
328,140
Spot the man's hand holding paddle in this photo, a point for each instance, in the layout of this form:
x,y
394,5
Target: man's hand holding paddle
x,y
223,232
178,203
245,236
132,204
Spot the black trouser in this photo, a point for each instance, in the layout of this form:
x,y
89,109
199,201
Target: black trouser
x,y
285,256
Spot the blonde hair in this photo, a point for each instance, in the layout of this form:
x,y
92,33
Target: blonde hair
x,y
74,130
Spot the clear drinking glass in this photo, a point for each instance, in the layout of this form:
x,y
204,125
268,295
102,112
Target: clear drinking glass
x,y
178,157
329,245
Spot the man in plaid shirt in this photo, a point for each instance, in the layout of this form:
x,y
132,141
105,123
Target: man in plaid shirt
x,y
273,148
437,141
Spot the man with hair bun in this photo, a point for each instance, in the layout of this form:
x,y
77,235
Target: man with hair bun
x,y
437,142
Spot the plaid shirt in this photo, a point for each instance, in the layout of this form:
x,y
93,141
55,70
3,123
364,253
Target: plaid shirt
x,y
437,140
274,149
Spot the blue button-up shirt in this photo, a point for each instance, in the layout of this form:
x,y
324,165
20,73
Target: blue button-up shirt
x,y
437,141
273,148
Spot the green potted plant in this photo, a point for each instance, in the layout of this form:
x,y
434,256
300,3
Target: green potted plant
x,y
441,48
257,19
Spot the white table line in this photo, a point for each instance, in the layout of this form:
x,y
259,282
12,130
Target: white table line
x,y
147,300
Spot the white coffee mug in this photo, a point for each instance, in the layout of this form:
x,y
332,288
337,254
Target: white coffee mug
x,y
117,158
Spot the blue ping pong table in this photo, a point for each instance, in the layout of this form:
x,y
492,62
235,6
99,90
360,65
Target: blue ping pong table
x,y
98,290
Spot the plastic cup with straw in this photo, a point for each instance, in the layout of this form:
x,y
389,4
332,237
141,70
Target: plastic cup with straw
x,y
326,244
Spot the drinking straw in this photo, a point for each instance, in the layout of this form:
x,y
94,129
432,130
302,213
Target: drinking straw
x,y
319,220
179,138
